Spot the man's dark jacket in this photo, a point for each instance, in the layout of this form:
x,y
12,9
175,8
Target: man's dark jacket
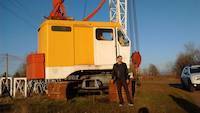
x,y
120,72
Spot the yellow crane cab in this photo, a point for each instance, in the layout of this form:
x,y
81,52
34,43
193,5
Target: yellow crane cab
x,y
78,46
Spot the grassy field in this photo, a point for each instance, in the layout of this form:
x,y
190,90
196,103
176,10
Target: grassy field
x,y
156,94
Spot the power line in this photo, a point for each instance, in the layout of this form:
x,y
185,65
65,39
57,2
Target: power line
x,y
10,63
11,57
17,16
20,4
14,3
22,7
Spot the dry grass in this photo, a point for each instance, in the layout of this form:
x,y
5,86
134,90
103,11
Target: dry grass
x,y
158,95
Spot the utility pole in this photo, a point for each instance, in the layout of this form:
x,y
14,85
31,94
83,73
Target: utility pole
x,y
6,77
6,65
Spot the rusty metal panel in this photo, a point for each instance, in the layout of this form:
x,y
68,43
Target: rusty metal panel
x,y
57,90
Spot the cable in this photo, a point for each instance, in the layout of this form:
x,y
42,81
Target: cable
x,y
130,25
18,4
13,3
95,10
17,16
135,25
13,63
11,57
24,7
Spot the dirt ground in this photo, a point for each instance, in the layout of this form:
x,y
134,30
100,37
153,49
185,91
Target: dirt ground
x,y
155,95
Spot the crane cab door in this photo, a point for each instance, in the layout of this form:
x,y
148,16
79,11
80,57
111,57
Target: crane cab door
x,y
104,47
123,45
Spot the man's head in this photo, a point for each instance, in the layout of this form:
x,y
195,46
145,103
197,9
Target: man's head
x,y
119,59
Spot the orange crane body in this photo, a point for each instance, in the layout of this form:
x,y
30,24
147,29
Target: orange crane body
x,y
58,11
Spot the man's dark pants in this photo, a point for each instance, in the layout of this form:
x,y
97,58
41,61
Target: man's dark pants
x,y
120,84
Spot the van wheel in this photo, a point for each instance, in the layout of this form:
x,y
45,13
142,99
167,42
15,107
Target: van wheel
x,y
191,88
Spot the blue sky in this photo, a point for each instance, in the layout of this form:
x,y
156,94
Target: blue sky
x,y
164,25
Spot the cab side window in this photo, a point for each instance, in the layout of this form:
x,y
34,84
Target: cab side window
x,y
122,38
61,28
104,34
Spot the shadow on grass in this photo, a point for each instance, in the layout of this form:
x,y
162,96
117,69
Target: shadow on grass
x,y
103,100
5,108
143,110
178,86
186,105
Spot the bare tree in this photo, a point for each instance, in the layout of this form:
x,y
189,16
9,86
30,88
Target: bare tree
x,y
153,70
21,71
190,56
145,71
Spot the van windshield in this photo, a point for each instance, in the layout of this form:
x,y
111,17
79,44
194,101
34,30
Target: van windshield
x,y
195,69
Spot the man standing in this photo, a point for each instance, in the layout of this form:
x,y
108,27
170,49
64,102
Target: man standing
x,y
120,78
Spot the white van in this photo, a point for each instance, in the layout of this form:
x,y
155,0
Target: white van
x,y
190,77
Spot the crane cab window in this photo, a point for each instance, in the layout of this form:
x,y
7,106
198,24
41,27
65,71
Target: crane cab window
x,y
104,34
61,28
122,39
